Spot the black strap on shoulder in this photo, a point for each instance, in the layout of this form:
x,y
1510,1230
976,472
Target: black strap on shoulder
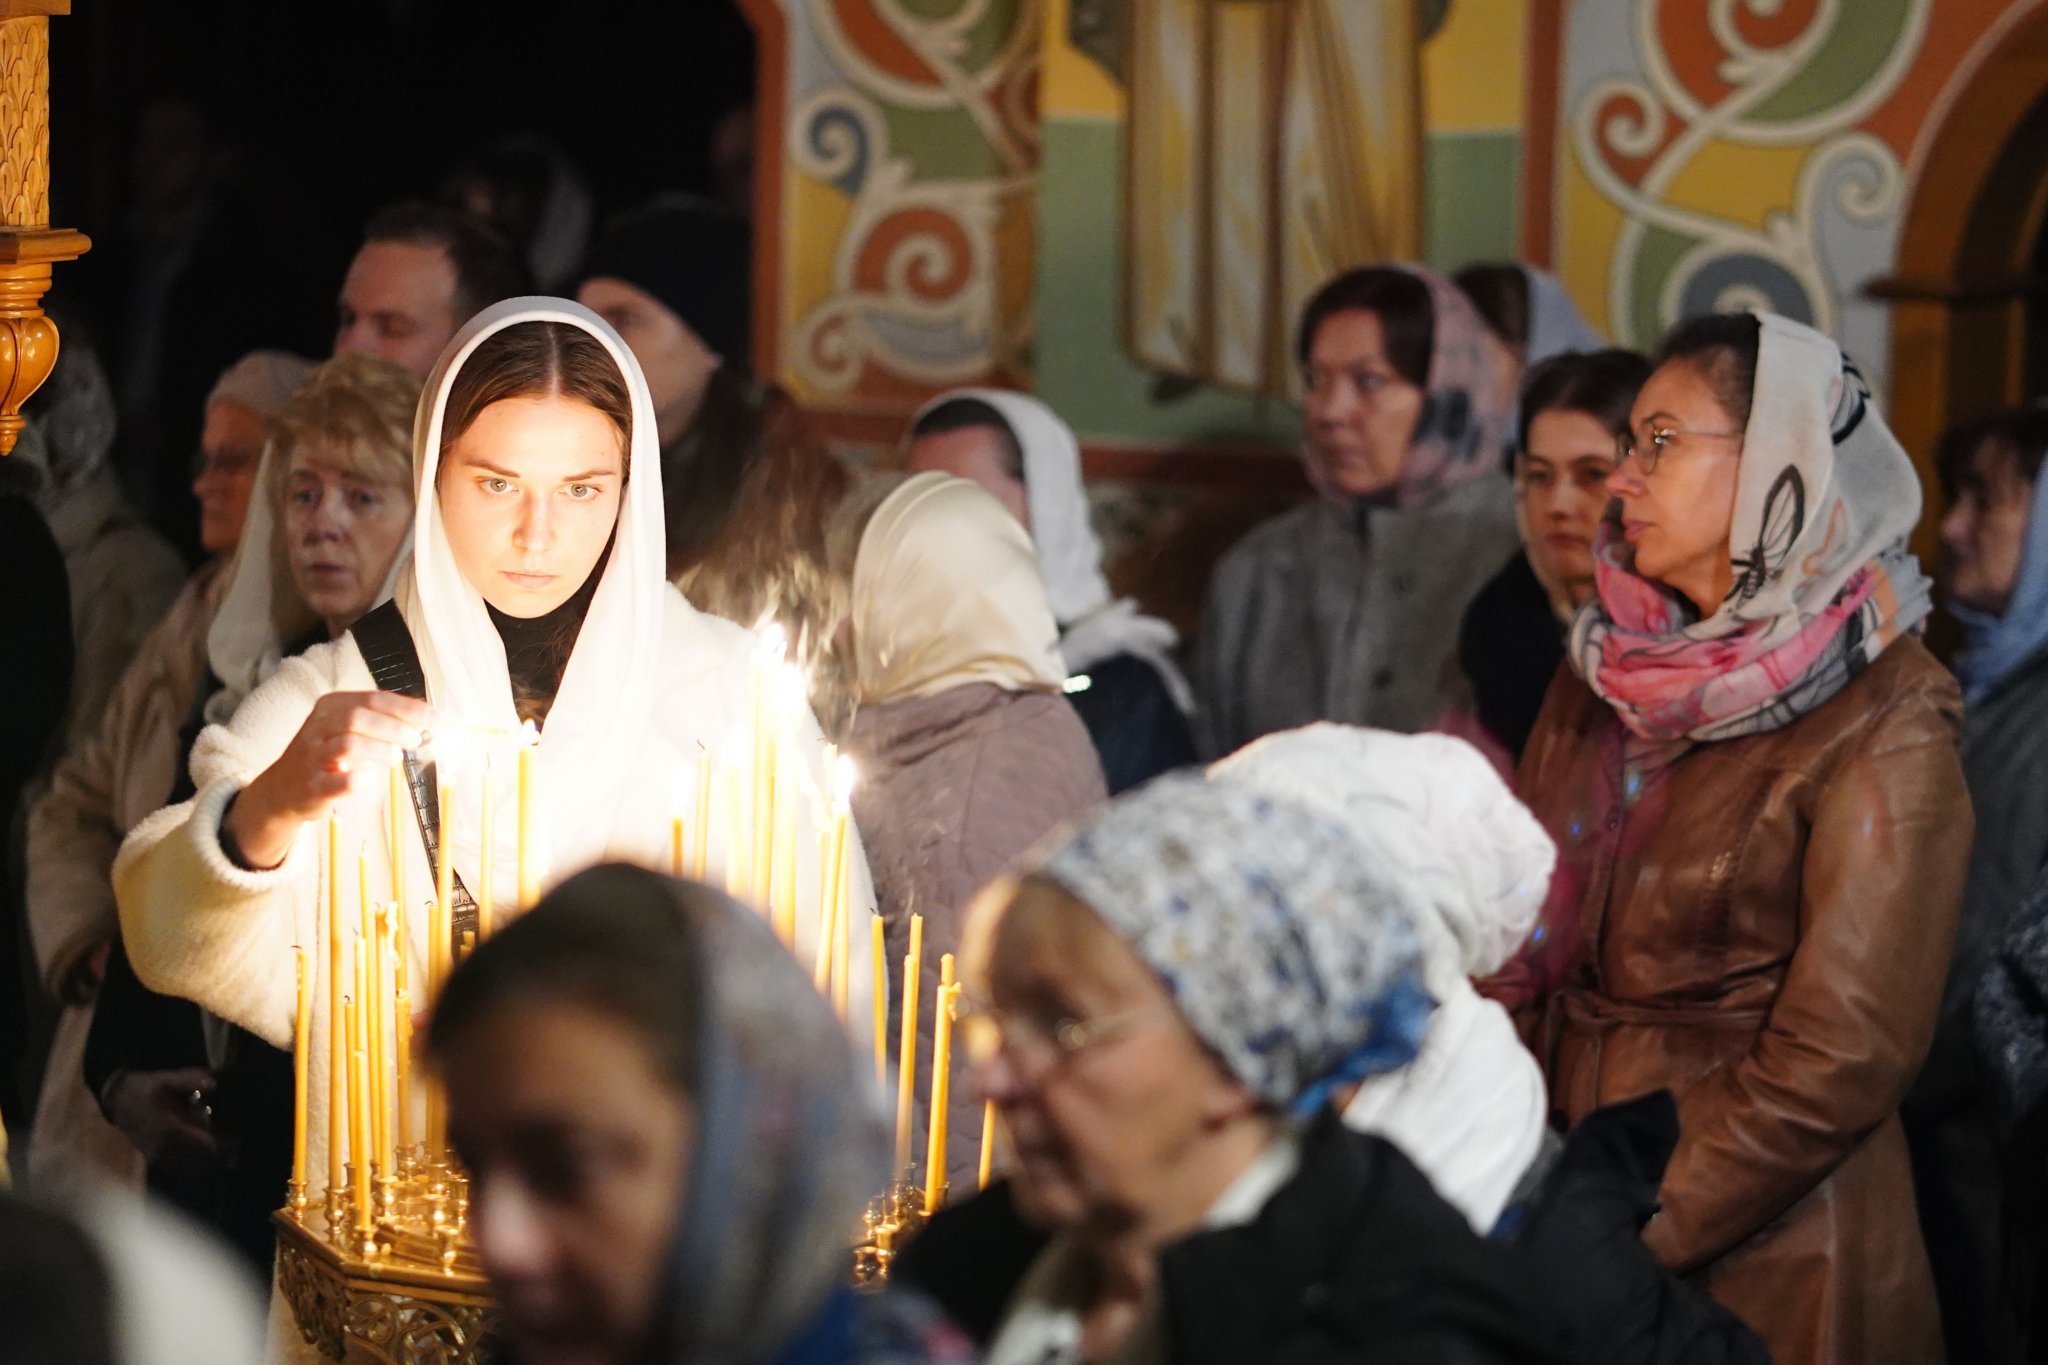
x,y
387,647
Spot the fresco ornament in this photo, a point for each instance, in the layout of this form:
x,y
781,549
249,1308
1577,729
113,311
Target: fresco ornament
x,y
913,155
1711,89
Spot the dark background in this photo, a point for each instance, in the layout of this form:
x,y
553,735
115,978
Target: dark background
x,y
319,112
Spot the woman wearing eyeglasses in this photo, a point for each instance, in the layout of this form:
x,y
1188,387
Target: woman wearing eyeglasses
x,y
1750,770
1168,999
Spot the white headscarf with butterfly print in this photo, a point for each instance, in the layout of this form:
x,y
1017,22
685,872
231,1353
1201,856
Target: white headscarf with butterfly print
x,y
1824,488
1824,500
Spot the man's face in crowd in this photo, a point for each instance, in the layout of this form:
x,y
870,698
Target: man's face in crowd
x,y
398,302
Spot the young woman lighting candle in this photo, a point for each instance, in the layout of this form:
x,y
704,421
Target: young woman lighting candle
x,y
536,590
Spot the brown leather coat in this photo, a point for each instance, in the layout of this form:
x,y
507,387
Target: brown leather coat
x,y
1764,924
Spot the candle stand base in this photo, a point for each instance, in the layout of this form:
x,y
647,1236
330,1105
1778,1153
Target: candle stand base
x,y
410,1293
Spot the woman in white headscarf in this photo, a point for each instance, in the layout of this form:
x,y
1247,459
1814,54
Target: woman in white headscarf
x,y
967,753
1433,816
536,587
1126,683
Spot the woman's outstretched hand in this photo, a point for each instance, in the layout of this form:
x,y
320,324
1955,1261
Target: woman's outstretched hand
x,y
348,744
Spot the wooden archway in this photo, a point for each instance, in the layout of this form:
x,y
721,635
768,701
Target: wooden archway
x,y
1963,280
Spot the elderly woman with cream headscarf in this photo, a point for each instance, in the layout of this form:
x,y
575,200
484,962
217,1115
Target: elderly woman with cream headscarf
x,y
1126,683
128,765
1347,607
967,752
1752,777
1162,1003
1474,866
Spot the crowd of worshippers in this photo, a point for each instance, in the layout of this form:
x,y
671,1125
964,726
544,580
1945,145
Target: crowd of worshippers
x,y
1558,908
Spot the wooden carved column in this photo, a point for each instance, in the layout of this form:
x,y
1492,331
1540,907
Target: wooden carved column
x,y
29,246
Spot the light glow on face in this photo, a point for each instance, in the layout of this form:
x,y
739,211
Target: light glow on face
x,y
529,496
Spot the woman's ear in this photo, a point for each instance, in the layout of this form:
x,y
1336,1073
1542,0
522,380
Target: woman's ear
x,y
1225,1100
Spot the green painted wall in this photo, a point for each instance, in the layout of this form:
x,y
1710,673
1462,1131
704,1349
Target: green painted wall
x,y
1082,368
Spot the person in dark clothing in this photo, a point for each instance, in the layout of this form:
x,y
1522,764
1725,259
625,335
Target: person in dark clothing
x,y
1979,1193
1126,682
1164,1002
746,492
35,623
1511,642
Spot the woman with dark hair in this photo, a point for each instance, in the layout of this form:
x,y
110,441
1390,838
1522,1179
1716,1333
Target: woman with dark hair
x,y
669,1136
1751,775
1347,607
1980,1189
535,591
1125,681
1573,410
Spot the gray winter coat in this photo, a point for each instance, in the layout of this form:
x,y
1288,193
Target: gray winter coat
x,y
1311,617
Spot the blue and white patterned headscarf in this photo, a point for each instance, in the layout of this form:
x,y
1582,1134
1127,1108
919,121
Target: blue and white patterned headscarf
x,y
1285,953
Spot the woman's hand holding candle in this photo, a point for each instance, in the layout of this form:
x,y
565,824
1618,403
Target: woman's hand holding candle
x,y
343,747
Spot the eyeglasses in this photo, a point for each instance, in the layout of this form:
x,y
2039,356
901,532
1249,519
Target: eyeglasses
x,y
1035,1044
1660,440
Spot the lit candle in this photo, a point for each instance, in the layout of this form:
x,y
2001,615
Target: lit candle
x,y
675,844
369,988
700,842
941,1088
383,1031
442,926
529,875
359,1084
401,1003
399,805
988,1142
821,971
906,1057
337,1044
837,914
880,967
302,1057
485,850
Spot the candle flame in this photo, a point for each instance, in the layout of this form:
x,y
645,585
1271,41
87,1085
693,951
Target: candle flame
x,y
529,733
844,775
774,640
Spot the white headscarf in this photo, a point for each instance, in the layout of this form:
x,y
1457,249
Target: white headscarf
x,y
946,593
601,724
1093,625
1433,816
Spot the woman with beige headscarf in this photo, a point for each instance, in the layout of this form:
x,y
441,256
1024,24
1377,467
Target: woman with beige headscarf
x,y
967,751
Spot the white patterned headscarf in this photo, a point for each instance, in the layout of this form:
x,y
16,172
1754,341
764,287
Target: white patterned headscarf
x,y
1283,949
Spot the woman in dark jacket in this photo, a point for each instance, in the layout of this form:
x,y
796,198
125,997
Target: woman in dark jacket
x,y
1573,409
1162,1008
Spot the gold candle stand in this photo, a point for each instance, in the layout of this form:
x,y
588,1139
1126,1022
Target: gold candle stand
x,y
412,1291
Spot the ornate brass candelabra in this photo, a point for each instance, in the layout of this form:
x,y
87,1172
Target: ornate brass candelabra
x,y
400,1286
